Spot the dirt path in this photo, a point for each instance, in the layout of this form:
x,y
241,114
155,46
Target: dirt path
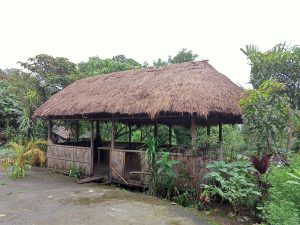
x,y
47,198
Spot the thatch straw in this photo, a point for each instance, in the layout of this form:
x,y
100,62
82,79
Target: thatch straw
x,y
192,87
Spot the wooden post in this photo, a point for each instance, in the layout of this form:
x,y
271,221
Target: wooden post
x,y
129,136
49,131
77,131
220,141
155,130
113,127
112,145
208,134
141,138
193,131
98,130
170,135
220,133
92,146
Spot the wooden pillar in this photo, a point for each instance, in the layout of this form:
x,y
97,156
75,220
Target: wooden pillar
x,y
208,134
155,130
113,127
49,131
220,141
141,138
194,130
112,146
77,131
92,146
129,134
170,135
98,130
220,133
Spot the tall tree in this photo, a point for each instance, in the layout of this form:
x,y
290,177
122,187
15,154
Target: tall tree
x,y
97,66
281,63
183,55
50,73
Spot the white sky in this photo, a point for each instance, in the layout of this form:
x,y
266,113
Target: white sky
x,y
146,29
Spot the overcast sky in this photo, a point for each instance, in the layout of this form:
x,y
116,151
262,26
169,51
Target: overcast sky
x,y
146,29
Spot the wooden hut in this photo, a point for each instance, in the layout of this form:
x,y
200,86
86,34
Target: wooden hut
x,y
189,94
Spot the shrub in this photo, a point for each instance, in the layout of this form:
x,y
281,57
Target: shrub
x,y
231,182
160,169
282,205
20,157
74,171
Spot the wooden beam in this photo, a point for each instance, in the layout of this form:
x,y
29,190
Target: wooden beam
x,y
170,135
194,130
98,130
208,134
49,131
155,130
220,133
112,147
77,131
141,138
92,146
129,134
113,134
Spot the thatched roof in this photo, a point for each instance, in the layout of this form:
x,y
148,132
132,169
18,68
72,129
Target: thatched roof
x,y
179,89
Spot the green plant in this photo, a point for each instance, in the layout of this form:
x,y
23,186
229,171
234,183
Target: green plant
x,y
282,205
267,112
166,173
295,176
281,213
231,182
74,171
20,157
185,198
160,169
151,156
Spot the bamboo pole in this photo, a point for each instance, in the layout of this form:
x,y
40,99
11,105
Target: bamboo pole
x,y
170,135
220,133
220,141
92,145
112,146
98,130
49,131
129,136
155,130
208,134
77,131
193,131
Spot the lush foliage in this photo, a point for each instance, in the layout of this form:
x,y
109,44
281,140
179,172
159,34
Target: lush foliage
x,y
281,63
160,169
283,203
21,156
266,115
183,55
74,171
232,182
166,173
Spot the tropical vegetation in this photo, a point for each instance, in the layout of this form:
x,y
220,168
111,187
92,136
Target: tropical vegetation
x,y
260,174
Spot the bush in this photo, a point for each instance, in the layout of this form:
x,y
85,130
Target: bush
x,y
231,182
283,202
19,157
75,171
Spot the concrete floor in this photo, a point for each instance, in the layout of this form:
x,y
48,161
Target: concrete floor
x,y
47,198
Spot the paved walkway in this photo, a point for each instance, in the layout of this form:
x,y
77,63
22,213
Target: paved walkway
x,y
47,198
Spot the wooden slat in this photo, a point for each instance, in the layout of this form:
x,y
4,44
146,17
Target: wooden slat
x,y
89,179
